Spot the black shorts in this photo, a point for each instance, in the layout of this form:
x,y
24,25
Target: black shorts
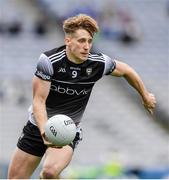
x,y
31,141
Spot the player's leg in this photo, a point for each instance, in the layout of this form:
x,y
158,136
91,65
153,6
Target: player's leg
x,y
22,165
56,159
30,150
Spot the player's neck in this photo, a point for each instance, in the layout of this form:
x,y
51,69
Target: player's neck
x,y
72,58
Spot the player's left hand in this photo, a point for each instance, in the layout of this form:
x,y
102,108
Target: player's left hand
x,y
149,103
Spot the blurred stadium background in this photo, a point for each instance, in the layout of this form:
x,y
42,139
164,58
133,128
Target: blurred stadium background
x,y
121,140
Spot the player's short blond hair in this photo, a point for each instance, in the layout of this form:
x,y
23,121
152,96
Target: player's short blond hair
x,y
81,21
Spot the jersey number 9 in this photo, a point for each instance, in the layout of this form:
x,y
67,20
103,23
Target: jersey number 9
x,y
74,74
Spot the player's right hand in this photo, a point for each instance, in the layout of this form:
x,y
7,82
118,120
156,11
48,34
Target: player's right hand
x,y
47,142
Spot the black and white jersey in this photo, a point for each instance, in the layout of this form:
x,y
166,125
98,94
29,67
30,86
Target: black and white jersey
x,y
71,84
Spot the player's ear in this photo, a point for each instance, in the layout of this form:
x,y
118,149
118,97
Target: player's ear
x,y
67,40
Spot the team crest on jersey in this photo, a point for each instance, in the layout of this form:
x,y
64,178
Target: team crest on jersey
x,y
88,71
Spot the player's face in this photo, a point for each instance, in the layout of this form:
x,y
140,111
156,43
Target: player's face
x,y
79,45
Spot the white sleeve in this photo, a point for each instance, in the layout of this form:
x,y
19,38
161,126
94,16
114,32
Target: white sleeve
x,y
110,65
44,69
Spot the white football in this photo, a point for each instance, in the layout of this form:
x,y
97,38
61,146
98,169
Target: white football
x,y
60,130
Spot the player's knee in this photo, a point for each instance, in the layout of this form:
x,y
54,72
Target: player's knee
x,y
12,175
16,174
50,172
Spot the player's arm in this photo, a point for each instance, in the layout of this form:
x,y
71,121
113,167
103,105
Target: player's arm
x,y
40,92
41,87
124,70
